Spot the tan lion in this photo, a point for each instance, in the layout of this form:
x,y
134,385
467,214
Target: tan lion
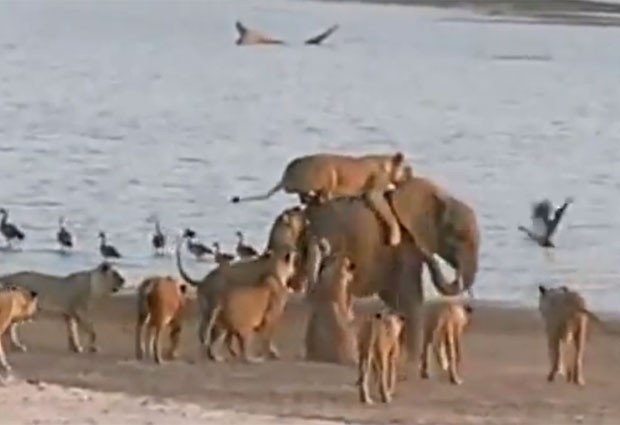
x,y
326,176
248,309
379,351
566,316
445,321
16,305
330,335
279,263
161,305
72,297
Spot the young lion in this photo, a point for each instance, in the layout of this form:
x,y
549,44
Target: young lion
x,y
379,349
245,309
329,334
72,297
566,317
16,305
325,176
161,304
444,323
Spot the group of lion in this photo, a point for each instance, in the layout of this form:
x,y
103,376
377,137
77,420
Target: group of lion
x,y
245,299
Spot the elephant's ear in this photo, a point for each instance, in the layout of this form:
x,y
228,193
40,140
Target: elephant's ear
x,y
417,207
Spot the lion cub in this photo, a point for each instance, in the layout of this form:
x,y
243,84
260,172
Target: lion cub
x,y
379,350
244,310
161,304
445,321
330,335
16,305
566,317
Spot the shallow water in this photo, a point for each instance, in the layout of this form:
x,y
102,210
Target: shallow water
x,y
111,111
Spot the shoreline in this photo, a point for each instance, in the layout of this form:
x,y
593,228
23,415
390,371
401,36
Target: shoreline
x,y
563,12
504,367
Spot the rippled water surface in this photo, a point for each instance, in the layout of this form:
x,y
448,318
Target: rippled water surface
x,y
111,111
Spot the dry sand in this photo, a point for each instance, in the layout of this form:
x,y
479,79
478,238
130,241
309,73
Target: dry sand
x,y
504,371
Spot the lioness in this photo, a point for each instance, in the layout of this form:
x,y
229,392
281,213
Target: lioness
x,y
325,176
379,349
444,323
245,273
330,336
565,315
71,297
161,304
16,305
246,309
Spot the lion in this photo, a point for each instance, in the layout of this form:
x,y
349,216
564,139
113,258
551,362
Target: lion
x,y
72,297
379,351
248,309
445,321
16,305
322,177
279,263
330,336
565,316
161,304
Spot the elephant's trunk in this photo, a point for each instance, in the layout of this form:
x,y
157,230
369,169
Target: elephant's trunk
x,y
467,267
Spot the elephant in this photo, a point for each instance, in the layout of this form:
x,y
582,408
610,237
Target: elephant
x,y
434,222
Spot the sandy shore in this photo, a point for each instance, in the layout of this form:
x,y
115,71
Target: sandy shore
x,y
557,12
504,368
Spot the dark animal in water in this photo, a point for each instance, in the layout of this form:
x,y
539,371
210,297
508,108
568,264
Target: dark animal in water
x,y
107,251
196,248
9,230
159,239
221,257
64,237
243,250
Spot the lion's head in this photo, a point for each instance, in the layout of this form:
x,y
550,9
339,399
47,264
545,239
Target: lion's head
x,y
22,302
108,278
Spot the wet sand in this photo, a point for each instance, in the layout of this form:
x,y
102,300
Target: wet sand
x,y
504,371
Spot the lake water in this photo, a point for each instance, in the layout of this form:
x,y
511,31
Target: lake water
x,y
111,111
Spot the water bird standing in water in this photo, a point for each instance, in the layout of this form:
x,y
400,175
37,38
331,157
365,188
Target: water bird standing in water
x,y
63,236
196,248
107,251
9,230
544,224
221,257
159,239
243,250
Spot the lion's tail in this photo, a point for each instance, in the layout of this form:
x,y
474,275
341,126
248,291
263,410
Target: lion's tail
x,y
599,322
182,272
269,194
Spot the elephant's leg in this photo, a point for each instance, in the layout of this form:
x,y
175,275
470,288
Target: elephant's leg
x,y
377,202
